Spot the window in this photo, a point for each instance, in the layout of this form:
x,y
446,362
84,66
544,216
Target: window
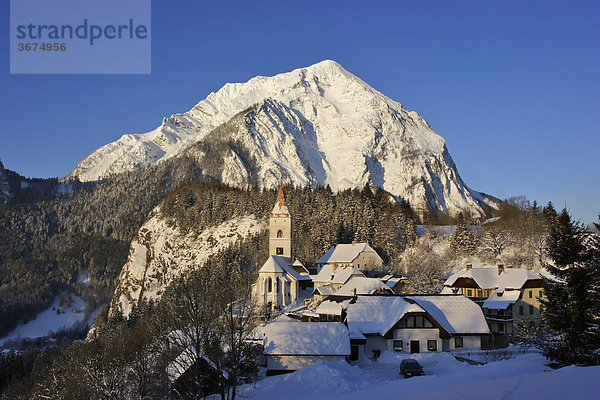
x,y
500,327
458,342
279,251
432,345
530,309
541,293
521,312
415,321
469,293
269,285
531,294
419,321
279,233
398,345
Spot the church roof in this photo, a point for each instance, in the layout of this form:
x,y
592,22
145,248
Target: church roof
x,y
280,209
282,265
275,264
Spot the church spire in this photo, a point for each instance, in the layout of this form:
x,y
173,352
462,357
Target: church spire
x,y
280,209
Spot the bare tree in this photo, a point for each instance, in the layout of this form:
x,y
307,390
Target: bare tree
x,y
495,241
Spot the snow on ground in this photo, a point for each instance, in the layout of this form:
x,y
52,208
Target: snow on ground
x,y
523,377
49,321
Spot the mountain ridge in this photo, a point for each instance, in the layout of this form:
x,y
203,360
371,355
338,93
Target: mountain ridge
x,y
318,125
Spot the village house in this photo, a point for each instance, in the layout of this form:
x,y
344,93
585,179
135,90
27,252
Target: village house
x,y
334,277
414,324
290,346
510,297
280,282
357,255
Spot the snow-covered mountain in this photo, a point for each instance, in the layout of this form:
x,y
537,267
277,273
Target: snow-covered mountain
x,y
161,253
319,125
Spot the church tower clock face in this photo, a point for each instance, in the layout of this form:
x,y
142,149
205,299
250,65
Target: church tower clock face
x,y
280,228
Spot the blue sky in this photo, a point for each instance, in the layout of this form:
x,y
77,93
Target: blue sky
x,y
513,87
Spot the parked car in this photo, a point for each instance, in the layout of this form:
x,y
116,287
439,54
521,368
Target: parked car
x,y
410,367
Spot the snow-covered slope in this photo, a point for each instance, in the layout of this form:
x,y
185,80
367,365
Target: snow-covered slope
x,y
319,125
161,253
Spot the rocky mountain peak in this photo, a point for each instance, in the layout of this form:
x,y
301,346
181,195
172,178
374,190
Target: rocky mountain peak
x,y
318,125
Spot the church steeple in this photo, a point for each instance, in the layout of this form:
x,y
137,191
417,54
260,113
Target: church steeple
x,y
280,227
280,209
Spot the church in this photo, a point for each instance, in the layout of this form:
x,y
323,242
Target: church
x,y
279,281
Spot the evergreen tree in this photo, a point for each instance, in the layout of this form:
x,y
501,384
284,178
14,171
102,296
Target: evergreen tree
x,y
463,241
571,308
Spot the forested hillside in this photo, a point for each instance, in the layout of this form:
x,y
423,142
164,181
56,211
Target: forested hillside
x,y
46,244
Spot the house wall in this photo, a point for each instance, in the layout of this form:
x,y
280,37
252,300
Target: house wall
x,y
375,342
367,260
422,335
294,363
469,343
529,297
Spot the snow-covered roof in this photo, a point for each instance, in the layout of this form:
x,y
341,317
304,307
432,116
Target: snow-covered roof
x,y
362,285
324,290
378,314
280,209
392,282
346,253
300,268
325,257
330,308
282,265
340,275
515,278
500,301
306,338
488,278
184,361
456,314
447,290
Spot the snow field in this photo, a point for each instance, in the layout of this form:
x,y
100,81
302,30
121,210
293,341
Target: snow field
x,y
523,377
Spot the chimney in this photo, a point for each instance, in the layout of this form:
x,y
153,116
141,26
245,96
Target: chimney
x,y
354,292
469,266
500,268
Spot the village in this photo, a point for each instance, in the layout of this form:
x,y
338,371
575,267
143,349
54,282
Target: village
x,y
339,311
